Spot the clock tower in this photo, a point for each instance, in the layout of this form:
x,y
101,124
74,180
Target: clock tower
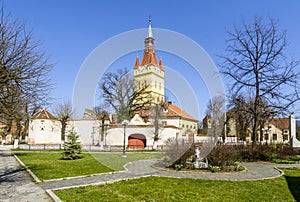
x,y
149,72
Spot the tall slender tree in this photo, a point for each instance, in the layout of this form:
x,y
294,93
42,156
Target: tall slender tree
x,y
64,112
156,116
101,115
216,110
241,115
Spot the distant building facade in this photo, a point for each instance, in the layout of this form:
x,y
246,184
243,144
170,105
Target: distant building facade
x,y
276,130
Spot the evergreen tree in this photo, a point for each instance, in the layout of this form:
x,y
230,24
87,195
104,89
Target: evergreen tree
x,y
72,147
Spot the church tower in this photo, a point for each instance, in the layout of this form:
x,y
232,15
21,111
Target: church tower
x,y
150,72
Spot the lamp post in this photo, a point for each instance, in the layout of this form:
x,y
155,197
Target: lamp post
x,y
124,123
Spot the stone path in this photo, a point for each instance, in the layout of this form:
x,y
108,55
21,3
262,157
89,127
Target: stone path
x,y
15,183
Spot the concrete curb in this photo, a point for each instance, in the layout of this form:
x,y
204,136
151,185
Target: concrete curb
x,y
53,196
83,176
36,179
100,183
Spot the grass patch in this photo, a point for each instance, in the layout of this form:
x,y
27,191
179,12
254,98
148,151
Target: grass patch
x,y
116,161
48,166
168,189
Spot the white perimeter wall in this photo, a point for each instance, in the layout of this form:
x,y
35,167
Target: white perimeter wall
x,y
48,132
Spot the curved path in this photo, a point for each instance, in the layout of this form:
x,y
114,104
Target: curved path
x,y
144,168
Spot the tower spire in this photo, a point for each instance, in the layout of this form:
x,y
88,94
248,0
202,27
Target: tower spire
x,y
149,56
149,34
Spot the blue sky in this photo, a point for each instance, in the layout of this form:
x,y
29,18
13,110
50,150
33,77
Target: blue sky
x,y
71,29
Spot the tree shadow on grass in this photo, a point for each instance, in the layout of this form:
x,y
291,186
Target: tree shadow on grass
x,y
294,186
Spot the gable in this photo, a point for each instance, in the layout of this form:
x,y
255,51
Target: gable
x,y
43,114
137,120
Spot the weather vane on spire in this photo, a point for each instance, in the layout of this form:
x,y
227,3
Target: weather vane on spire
x,y
149,34
150,19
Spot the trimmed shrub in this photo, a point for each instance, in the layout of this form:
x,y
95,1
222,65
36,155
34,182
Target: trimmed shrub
x,y
266,152
223,155
178,152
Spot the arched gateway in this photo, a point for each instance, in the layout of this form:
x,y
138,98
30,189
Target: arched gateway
x,y
136,141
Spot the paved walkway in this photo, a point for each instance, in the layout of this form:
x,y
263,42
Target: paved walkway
x,y
15,183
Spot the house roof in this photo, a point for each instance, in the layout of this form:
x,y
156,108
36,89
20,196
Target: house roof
x,y
175,111
206,118
282,123
170,110
43,114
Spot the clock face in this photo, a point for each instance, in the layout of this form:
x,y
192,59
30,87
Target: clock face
x,y
157,69
142,68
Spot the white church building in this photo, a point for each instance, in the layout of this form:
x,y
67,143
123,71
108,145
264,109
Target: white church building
x,y
44,128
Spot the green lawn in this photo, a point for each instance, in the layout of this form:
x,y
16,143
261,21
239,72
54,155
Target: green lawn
x,y
286,188
48,165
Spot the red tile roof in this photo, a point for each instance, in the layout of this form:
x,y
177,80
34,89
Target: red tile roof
x,y
161,65
282,123
171,110
149,57
175,111
137,63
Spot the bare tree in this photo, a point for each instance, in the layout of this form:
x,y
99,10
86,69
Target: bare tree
x,y
24,72
101,115
29,111
64,112
241,115
257,65
216,109
119,92
214,122
156,116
